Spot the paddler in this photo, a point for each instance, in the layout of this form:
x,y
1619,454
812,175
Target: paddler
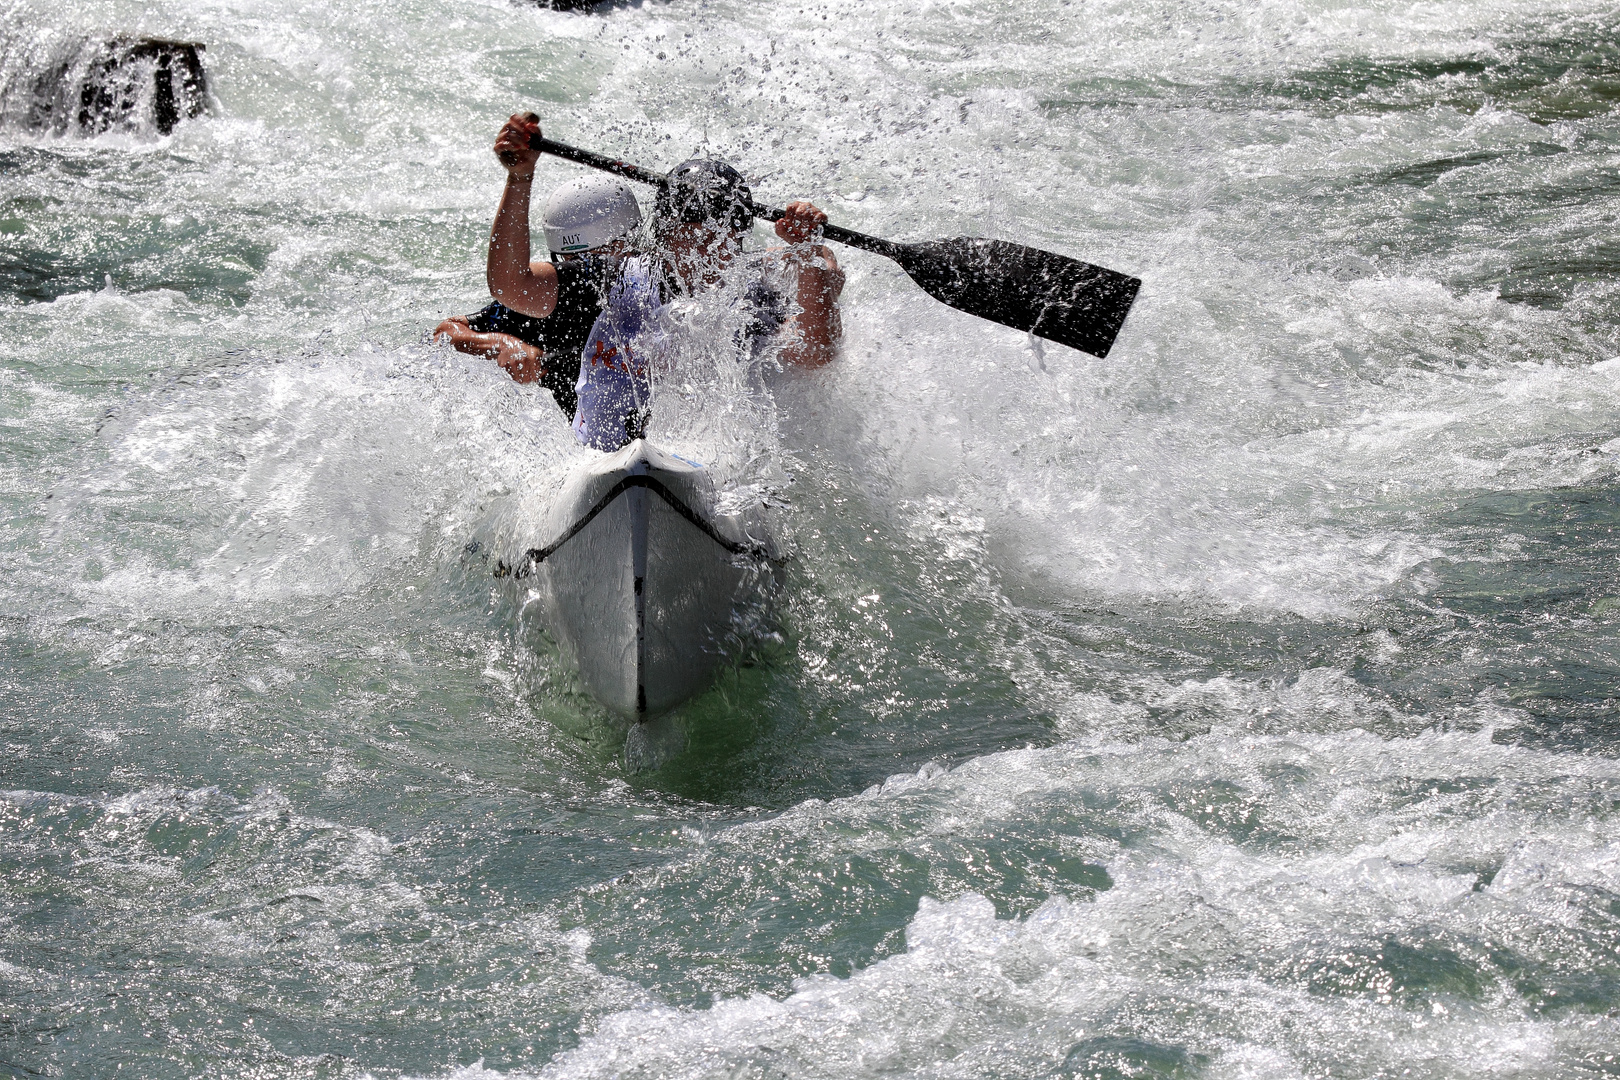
x,y
700,222
588,223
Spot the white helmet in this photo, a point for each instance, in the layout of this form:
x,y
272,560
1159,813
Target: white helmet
x,y
587,213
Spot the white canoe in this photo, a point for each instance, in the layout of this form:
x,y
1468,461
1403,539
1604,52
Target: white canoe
x,y
645,581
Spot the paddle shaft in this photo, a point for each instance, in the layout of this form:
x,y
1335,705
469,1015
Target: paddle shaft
x,y
1052,296
874,244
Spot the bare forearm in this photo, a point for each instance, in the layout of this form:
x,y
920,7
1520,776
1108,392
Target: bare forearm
x,y
524,287
522,361
474,343
818,327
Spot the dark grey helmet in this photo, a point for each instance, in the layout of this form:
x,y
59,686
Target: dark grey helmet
x,y
704,190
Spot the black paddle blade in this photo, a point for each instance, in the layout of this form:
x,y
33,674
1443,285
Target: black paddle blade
x,y
1051,296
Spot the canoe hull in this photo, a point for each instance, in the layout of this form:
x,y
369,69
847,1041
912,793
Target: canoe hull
x,y
645,583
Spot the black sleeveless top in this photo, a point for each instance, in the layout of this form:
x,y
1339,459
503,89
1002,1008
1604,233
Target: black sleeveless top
x,y
560,335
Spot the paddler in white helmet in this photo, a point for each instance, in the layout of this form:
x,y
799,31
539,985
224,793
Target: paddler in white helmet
x,y
588,222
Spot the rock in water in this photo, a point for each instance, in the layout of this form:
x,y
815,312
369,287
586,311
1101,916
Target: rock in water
x,y
126,83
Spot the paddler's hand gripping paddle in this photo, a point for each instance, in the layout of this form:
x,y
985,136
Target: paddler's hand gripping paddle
x,y
1053,296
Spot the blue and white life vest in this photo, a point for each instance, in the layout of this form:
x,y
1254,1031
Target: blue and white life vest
x,y
615,368
614,385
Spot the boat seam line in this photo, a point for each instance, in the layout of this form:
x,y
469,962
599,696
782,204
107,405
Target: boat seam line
x,y
541,554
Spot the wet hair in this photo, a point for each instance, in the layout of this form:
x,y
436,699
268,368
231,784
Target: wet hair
x,y
703,190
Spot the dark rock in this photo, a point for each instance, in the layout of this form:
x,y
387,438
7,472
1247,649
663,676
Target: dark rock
x,y
91,86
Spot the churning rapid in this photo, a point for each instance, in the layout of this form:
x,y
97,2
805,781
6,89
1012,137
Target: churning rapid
x,y
1243,705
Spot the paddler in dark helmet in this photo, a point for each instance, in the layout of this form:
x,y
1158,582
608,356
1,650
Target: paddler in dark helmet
x,y
700,221
588,222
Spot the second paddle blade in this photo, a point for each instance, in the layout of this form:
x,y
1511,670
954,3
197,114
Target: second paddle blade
x,y
1051,296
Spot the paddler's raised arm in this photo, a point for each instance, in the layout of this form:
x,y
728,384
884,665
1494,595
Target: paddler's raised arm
x,y
818,326
529,288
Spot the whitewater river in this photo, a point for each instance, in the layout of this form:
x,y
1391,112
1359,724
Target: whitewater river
x,y
1243,705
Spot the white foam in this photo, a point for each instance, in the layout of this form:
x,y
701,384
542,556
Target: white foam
x,y
1222,937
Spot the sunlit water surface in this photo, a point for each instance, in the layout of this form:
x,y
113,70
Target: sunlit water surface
x,y
1242,705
